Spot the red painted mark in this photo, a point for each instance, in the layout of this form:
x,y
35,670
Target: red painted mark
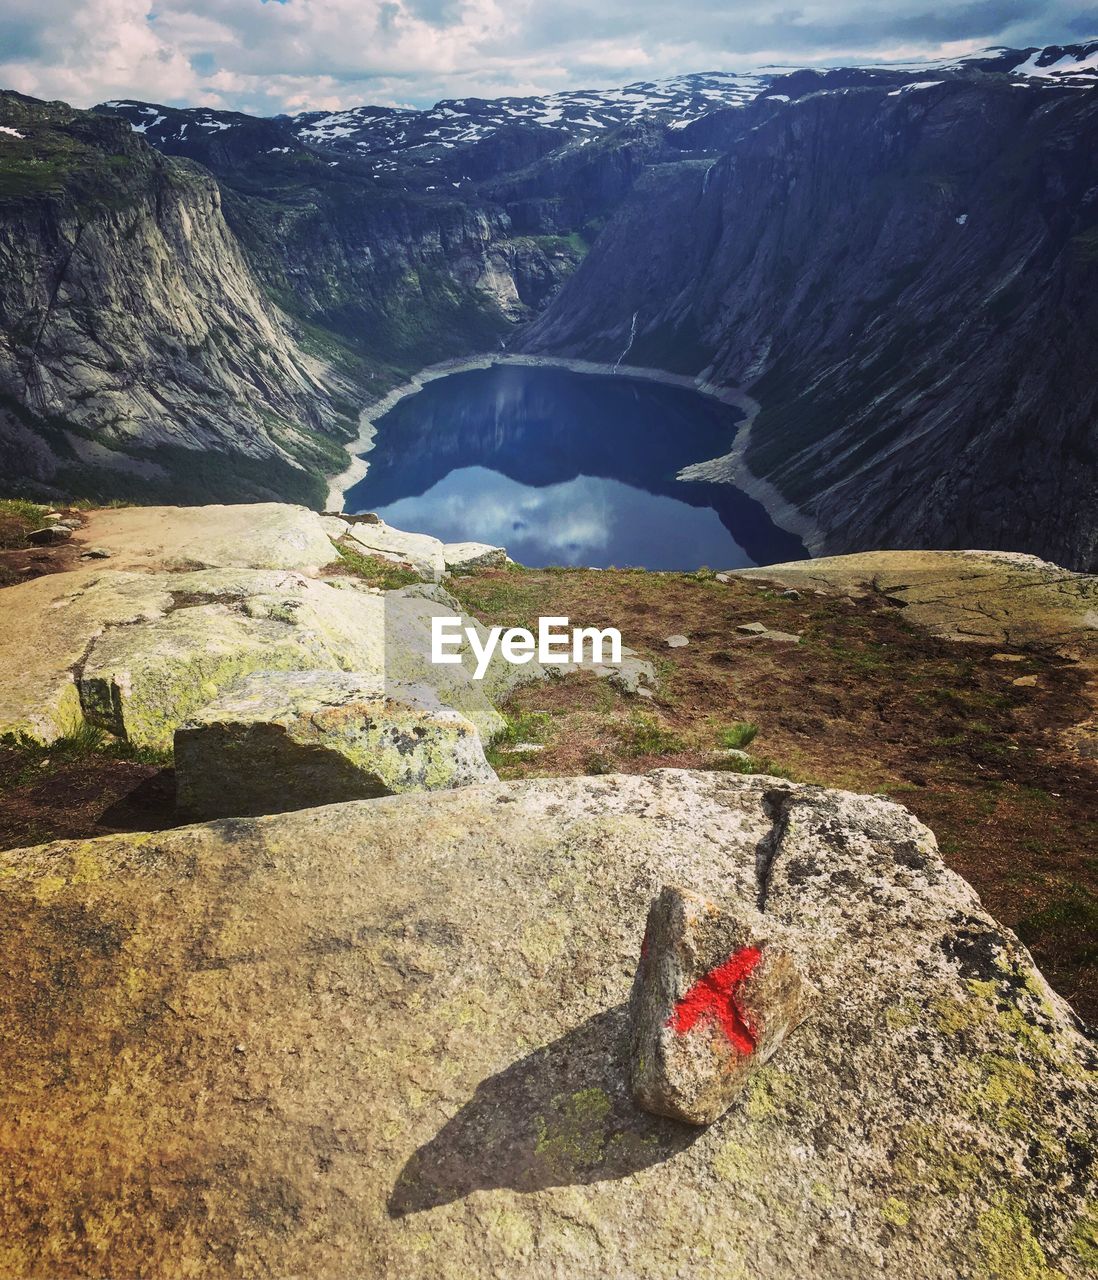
x,y
714,996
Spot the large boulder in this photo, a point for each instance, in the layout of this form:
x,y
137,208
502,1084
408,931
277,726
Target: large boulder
x,y
69,649
46,628
286,740
1000,597
391,1038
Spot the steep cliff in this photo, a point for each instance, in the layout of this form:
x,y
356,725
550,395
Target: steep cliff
x,y
905,276
138,353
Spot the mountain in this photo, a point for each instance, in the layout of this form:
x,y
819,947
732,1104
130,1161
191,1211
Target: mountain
x,y
138,354
905,277
897,261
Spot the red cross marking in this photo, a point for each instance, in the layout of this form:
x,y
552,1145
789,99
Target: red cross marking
x,y
714,997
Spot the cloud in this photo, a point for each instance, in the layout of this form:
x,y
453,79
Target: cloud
x,y
266,56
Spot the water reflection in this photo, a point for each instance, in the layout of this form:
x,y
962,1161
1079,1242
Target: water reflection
x,y
565,468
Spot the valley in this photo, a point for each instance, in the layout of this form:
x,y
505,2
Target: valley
x,y
893,262
348,931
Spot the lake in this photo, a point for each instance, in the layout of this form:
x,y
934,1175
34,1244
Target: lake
x,y
566,468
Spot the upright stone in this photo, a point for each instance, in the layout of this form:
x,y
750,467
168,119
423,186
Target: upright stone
x,y
714,996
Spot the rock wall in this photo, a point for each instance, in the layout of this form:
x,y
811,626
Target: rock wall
x,y
138,353
905,278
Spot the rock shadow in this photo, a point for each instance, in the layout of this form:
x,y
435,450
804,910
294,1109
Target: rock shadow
x,y
561,1116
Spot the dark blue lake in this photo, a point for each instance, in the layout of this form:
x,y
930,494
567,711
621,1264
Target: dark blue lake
x,y
569,469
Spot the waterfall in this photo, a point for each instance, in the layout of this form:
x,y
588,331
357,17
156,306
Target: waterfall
x,y
629,344
705,180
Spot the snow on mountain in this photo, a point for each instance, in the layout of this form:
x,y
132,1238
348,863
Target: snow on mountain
x,y
1074,65
577,114
384,139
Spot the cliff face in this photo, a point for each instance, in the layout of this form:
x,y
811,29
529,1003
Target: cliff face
x,y
905,277
138,353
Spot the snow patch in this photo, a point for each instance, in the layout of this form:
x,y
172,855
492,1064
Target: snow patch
x,y
919,84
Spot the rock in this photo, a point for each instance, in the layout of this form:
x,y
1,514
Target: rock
x,y
286,740
790,594
68,653
433,992
423,552
142,683
757,631
1008,657
987,597
472,555
626,675
676,642
716,993
260,535
49,536
361,517
521,748
334,526
95,553
1025,682
46,628
722,577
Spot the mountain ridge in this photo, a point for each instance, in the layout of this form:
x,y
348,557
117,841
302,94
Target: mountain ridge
x,y
371,261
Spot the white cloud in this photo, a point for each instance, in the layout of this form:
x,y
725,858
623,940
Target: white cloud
x,y
269,55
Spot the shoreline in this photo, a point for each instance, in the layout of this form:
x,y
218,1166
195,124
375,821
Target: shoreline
x,y
729,468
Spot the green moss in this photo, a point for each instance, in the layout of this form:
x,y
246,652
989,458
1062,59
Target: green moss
x,y
735,1163
1009,1249
375,571
1006,1093
770,1094
928,1157
1083,1241
895,1212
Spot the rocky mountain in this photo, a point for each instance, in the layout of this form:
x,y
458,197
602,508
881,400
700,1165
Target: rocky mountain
x,y
388,136
904,275
138,353
897,261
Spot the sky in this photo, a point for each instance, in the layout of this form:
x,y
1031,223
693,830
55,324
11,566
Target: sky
x,y
267,56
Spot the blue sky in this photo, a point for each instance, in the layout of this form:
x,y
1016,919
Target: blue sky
x,y
266,56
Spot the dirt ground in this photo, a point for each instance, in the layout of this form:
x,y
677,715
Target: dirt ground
x,y
973,738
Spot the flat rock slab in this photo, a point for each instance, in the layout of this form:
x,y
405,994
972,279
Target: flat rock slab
x,y
260,535
287,740
996,597
390,1038
69,649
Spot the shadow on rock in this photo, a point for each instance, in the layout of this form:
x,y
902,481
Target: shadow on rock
x,y
562,1115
